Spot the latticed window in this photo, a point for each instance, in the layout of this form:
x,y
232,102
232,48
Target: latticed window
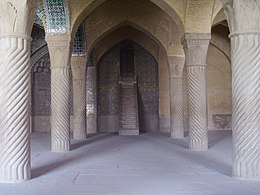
x,y
57,16
79,42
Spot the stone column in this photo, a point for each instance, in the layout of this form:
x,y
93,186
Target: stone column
x,y
59,49
16,22
244,23
78,65
91,100
196,49
176,64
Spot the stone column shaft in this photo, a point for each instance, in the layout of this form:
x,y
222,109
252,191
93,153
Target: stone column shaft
x,y
176,64
16,20
60,120
91,100
59,49
246,104
78,65
244,23
196,47
14,113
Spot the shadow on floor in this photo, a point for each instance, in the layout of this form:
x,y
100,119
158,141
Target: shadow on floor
x,y
91,138
98,145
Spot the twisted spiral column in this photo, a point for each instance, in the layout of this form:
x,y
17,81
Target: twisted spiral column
x,y
198,134
244,24
60,51
196,48
246,104
60,137
176,108
79,108
78,64
176,64
14,109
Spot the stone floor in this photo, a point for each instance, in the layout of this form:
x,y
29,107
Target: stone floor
x,y
151,163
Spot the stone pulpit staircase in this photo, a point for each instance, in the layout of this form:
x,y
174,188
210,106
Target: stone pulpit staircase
x,y
129,121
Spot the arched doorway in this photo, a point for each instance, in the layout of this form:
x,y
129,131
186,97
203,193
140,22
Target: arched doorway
x,y
127,58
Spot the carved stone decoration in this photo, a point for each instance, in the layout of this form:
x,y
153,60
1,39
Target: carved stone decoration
x,y
60,109
198,136
16,17
243,16
16,21
196,47
78,65
244,22
60,52
176,64
14,109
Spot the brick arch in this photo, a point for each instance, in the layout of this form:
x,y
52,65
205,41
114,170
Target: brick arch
x,y
94,40
146,69
80,10
142,39
133,34
38,55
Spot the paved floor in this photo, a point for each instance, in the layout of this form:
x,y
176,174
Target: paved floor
x,y
151,164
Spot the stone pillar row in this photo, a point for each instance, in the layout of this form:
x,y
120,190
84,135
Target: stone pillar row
x,y
196,49
78,65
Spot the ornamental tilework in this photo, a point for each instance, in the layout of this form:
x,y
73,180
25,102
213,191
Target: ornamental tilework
x,y
57,16
91,105
41,88
147,73
40,17
146,70
107,84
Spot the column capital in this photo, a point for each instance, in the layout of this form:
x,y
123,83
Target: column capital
x,y
78,67
78,60
195,39
16,17
58,40
176,64
60,49
243,16
196,48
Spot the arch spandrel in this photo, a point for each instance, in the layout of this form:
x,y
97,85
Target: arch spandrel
x,y
80,9
198,17
132,34
152,21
